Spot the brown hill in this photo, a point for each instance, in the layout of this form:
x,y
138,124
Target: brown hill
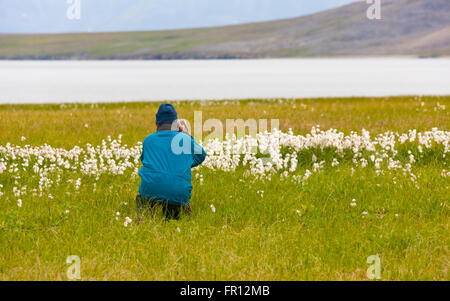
x,y
407,27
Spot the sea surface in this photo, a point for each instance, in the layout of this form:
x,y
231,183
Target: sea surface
x,y
112,81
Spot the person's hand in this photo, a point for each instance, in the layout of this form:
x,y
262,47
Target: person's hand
x,y
180,126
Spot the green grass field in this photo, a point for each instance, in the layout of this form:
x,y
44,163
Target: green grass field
x,y
291,231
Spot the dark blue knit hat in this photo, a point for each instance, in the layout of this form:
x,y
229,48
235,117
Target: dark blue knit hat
x,y
166,113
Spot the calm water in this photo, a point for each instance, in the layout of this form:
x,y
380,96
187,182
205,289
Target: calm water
x,y
103,81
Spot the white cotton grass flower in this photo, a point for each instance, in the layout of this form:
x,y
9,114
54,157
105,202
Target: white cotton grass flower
x,y
23,138
127,221
78,184
334,163
67,211
353,203
16,192
19,202
199,177
178,229
213,209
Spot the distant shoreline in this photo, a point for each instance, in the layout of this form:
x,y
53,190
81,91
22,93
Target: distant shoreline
x,y
225,58
209,102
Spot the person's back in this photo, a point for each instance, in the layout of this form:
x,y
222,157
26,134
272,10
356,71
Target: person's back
x,y
165,174
167,158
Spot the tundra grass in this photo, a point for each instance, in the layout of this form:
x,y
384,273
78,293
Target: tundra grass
x,y
288,232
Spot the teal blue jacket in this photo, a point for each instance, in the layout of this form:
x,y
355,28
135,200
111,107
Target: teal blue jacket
x,y
167,159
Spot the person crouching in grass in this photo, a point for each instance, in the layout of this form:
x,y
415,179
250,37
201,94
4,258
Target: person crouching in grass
x,y
167,161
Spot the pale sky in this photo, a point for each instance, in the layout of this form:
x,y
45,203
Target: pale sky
x,y
23,16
